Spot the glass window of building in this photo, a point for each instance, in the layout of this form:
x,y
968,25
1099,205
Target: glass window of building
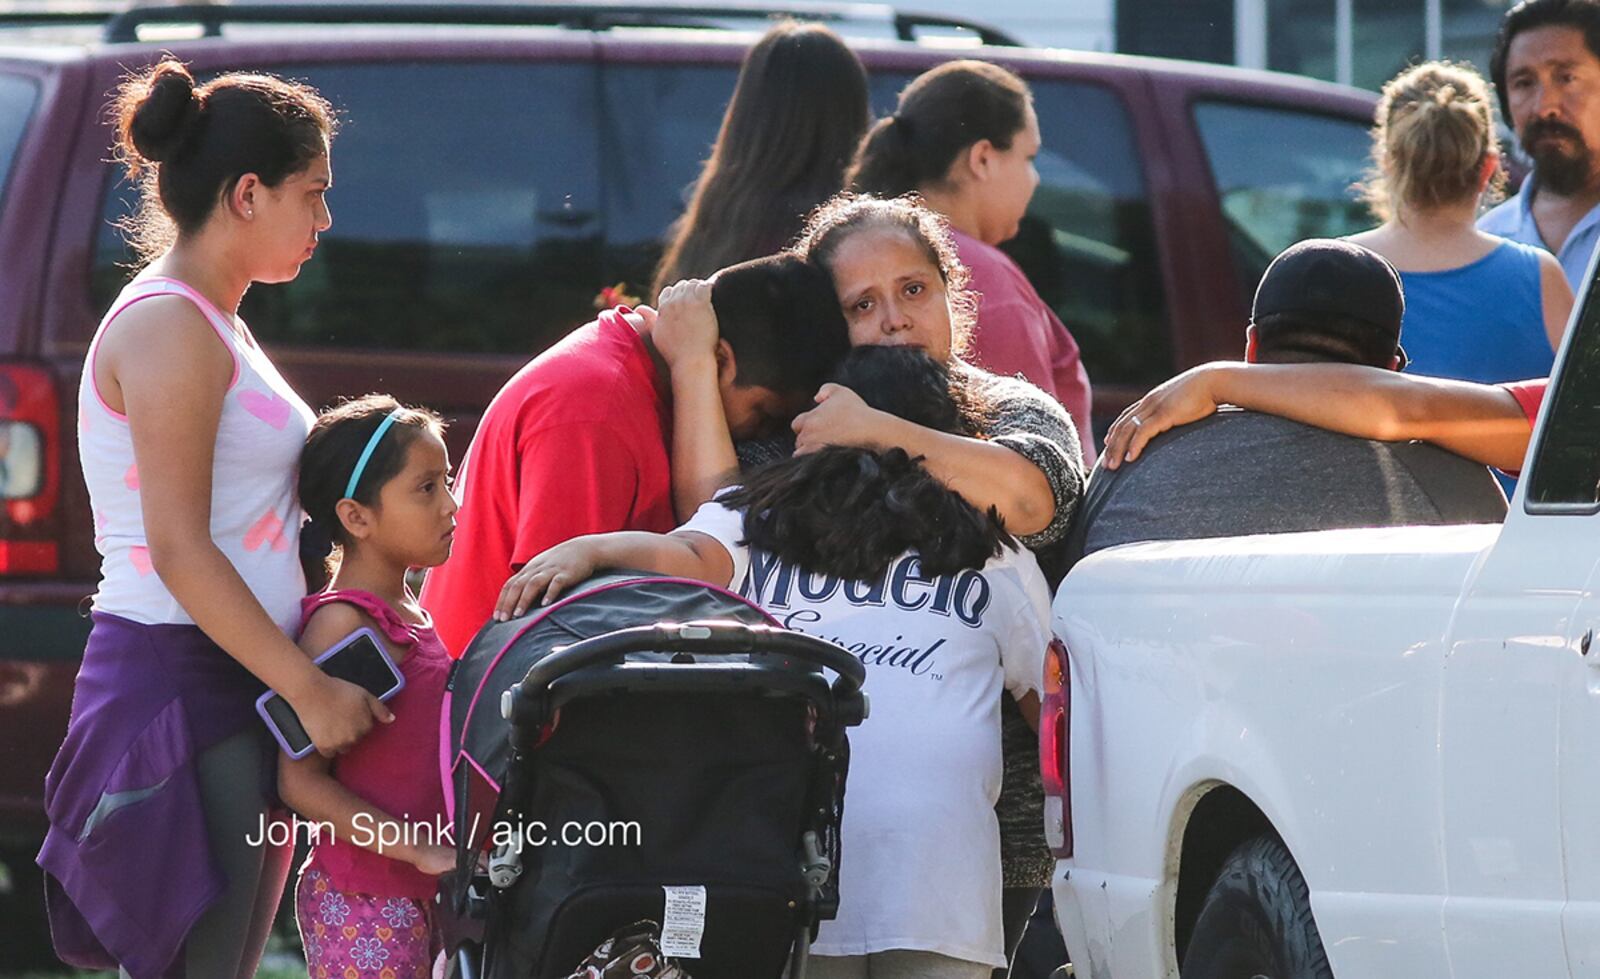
x,y
1303,37
1300,37
1386,36
1468,29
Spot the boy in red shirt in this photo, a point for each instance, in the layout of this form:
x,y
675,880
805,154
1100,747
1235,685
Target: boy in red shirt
x,y
576,443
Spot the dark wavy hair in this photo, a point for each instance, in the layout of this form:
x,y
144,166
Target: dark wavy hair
x,y
187,144
792,125
850,512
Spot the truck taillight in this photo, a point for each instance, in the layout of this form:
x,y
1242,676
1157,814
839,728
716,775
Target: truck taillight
x,y
30,471
1055,758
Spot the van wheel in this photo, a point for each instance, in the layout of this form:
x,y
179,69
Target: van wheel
x,y
1256,920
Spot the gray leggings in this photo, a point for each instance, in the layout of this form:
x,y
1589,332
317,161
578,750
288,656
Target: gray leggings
x,y
228,939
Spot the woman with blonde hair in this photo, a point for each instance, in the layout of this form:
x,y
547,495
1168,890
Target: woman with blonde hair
x,y
1477,307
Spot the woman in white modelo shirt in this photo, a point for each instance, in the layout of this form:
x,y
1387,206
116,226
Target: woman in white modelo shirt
x,y
867,549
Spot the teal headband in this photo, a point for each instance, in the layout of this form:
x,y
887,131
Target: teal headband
x,y
366,454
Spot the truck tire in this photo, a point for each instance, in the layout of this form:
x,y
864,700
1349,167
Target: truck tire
x,y
1256,920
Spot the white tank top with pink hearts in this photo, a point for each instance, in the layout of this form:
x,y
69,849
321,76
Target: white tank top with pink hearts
x,y
255,516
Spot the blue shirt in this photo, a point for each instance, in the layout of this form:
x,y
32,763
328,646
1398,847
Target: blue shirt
x,y
1513,219
1483,321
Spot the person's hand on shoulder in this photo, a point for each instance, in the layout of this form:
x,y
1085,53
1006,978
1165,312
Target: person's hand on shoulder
x,y
647,316
548,575
685,327
1186,398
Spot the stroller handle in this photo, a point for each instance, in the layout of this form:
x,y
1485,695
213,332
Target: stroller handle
x,y
715,638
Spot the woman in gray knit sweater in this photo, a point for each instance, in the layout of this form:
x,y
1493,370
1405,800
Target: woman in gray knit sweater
x,y
900,282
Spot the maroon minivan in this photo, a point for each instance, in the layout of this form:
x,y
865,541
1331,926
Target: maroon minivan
x,y
492,178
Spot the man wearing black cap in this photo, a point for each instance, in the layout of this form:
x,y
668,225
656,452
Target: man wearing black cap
x,y
1239,472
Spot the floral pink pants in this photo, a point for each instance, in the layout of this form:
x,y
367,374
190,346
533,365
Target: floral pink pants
x,y
360,936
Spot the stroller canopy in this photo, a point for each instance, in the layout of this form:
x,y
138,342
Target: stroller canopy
x,y
674,708
475,756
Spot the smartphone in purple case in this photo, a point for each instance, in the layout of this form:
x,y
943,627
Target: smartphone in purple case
x,y
358,658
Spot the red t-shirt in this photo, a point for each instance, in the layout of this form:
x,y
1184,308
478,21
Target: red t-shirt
x,y
1529,395
575,443
1018,334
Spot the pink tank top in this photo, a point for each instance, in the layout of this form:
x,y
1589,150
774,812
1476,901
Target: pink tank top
x,y
395,767
255,516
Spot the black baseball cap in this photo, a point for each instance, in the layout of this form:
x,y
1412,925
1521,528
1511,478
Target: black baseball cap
x,y
1331,276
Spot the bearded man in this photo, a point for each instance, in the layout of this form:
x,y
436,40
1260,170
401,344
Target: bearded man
x,y
1546,70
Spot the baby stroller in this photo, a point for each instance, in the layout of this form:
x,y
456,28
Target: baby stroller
x,y
719,740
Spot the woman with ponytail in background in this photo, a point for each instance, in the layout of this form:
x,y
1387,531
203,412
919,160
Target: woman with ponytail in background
x,y
157,858
964,137
1478,307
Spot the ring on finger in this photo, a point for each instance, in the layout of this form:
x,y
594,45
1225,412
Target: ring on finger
x,y
1137,423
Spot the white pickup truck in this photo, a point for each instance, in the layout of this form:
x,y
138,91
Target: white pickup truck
x,y
1368,753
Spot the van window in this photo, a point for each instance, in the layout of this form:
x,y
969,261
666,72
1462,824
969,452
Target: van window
x,y
1282,176
17,98
465,213
1566,466
659,124
1088,242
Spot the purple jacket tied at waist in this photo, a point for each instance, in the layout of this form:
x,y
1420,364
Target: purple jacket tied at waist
x,y
127,860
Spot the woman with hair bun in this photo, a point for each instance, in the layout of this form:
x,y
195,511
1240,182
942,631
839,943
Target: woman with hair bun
x,y
1478,307
157,857
964,137
792,125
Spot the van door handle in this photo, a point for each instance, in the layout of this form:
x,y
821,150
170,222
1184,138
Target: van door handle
x,y
1585,643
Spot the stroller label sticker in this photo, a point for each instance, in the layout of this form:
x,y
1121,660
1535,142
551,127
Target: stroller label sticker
x,y
683,922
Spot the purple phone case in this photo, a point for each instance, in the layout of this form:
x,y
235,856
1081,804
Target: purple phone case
x,y
399,685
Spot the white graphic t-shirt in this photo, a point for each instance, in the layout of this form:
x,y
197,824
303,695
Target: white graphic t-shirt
x,y
920,861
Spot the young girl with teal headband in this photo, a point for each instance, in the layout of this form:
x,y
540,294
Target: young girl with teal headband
x,y
375,474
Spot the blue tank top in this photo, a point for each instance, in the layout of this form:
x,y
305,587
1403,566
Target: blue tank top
x,y
1483,321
